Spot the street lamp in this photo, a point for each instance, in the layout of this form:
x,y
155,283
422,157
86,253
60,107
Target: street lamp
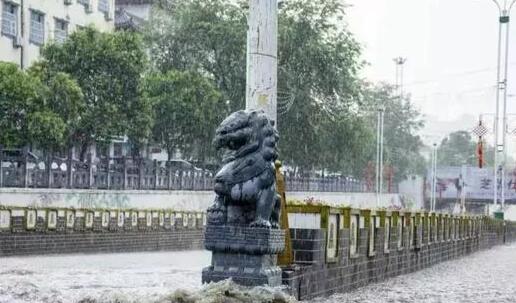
x,y
379,154
399,61
504,9
434,177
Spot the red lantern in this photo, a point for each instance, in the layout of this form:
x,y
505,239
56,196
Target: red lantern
x,y
480,153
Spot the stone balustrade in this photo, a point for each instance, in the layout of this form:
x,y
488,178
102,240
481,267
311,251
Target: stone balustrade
x,y
340,249
26,230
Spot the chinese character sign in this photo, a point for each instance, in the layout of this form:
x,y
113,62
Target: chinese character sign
x,y
478,183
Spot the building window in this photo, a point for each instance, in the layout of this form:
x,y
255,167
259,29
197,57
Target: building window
x,y
61,31
118,149
37,28
86,4
104,7
102,150
9,19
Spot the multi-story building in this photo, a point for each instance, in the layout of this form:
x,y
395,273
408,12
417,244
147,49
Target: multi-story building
x,y
131,14
28,24
139,8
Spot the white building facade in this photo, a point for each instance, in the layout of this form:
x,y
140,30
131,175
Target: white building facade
x,y
138,8
26,25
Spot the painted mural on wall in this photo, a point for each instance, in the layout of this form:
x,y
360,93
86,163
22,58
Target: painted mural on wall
x,y
79,199
98,200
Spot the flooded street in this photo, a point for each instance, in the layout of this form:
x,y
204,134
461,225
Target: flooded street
x,y
488,276
129,277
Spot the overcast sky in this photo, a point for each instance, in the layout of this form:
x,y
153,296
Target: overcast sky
x,y
451,51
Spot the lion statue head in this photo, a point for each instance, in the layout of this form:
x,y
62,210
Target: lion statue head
x,y
245,132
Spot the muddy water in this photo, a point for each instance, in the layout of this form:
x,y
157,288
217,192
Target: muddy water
x,y
130,277
488,276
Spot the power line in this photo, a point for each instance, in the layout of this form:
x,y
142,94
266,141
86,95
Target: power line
x,y
479,89
460,74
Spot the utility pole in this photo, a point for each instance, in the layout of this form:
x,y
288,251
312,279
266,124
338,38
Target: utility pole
x,y
504,9
399,61
262,57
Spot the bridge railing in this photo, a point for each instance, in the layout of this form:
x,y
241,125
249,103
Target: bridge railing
x,y
325,184
23,170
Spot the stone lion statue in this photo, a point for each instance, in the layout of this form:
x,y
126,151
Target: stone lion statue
x,y
246,183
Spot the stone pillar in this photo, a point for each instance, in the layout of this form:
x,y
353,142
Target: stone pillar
x,y
247,255
262,57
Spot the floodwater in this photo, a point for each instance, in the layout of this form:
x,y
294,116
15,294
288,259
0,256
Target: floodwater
x,y
127,277
488,276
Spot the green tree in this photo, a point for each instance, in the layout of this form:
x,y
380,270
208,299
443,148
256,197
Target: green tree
x,y
187,109
25,117
402,122
63,97
319,61
459,148
108,68
318,65
208,37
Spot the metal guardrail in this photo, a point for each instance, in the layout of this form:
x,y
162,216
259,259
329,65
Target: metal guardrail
x,y
327,184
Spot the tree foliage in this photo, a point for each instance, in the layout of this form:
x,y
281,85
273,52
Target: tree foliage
x,y
63,97
25,115
402,122
96,86
187,109
458,148
208,37
318,65
108,68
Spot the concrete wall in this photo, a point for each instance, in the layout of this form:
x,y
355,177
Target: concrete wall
x,y
74,14
77,198
315,274
26,231
178,200
412,190
355,200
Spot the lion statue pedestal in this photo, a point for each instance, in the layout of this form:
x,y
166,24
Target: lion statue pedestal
x,y
243,224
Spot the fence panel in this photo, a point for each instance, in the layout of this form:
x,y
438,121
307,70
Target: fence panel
x,y
136,173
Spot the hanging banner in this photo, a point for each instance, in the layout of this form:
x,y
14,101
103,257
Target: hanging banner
x,y
477,183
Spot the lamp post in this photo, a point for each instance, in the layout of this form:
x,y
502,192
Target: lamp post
x,y
434,177
504,9
399,61
379,154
